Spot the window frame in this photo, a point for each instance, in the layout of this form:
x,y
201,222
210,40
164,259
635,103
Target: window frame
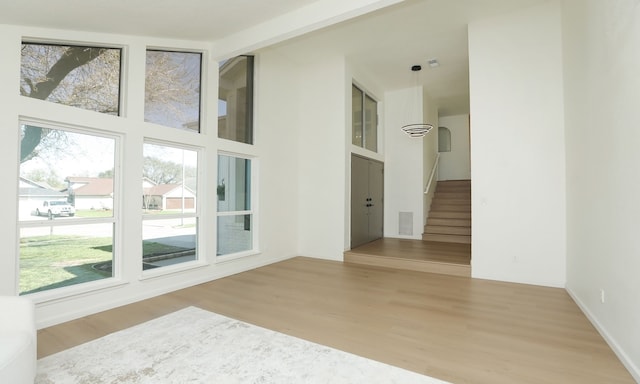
x,y
250,99
200,258
115,219
121,105
201,96
253,212
362,121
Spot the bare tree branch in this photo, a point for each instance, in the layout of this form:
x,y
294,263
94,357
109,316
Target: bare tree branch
x,y
71,59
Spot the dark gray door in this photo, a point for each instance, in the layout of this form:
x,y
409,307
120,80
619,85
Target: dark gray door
x,y
367,188
376,192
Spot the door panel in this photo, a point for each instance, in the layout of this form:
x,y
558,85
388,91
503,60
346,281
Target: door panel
x,y
359,194
367,203
376,191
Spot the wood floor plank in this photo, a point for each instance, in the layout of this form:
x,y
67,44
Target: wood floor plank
x,y
457,329
454,253
414,255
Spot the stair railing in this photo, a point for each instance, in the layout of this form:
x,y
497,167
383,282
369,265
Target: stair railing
x,y
433,173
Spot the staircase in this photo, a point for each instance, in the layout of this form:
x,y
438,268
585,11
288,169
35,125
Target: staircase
x,y
450,215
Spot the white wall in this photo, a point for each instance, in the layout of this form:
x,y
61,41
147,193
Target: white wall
x,y
517,147
278,122
603,163
323,158
429,156
404,188
319,97
275,150
456,165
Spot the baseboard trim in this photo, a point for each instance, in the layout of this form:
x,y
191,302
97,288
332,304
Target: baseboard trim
x,y
633,369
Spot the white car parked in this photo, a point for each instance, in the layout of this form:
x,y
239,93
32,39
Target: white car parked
x,y
55,208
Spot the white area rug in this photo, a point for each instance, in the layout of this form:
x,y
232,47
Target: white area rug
x,y
197,346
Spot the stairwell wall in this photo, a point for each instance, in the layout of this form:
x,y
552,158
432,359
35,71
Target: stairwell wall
x,y
404,164
518,147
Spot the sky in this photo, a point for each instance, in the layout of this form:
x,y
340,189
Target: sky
x,y
86,155
82,155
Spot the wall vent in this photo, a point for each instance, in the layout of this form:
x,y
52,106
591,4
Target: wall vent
x,y
405,223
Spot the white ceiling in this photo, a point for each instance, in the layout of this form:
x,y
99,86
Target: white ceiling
x,y
180,19
384,43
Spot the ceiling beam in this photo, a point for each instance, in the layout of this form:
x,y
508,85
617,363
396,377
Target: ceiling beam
x,y
312,17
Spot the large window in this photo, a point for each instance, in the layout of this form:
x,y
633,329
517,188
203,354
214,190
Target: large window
x,y
235,100
235,214
79,76
73,180
66,201
172,89
364,120
169,203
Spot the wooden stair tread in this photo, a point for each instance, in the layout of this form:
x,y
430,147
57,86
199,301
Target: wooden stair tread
x,y
462,239
450,215
453,195
449,219
416,255
452,201
452,207
448,230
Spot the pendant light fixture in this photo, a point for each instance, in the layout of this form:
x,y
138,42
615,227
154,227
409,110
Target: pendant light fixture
x,y
416,130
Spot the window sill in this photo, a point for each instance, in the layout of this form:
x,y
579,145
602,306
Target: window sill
x,y
60,294
172,269
235,256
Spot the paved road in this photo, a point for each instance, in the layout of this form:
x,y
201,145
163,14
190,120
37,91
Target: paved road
x,y
169,231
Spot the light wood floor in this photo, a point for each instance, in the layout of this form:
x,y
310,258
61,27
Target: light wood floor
x,y
414,255
457,329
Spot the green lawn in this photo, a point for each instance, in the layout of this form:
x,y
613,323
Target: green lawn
x,y
94,213
48,262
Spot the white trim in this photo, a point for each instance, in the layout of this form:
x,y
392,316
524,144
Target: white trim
x,y
171,269
631,366
234,213
113,220
252,212
237,255
76,290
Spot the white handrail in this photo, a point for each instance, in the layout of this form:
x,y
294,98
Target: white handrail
x,y
433,173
